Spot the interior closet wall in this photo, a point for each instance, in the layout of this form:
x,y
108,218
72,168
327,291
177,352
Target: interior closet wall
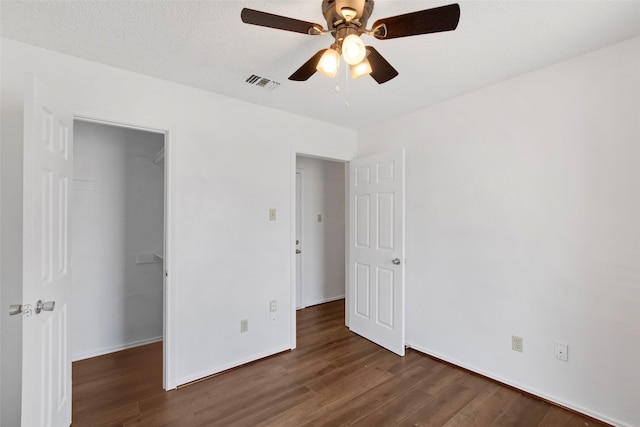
x,y
323,242
118,227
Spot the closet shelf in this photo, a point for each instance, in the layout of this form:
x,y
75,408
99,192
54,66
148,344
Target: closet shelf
x,y
150,258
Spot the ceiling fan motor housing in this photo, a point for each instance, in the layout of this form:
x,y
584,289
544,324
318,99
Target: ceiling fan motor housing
x,y
335,18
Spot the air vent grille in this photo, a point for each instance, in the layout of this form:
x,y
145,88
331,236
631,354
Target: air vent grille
x,y
262,82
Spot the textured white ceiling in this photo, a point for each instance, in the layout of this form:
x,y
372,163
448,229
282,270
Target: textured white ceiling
x,y
205,44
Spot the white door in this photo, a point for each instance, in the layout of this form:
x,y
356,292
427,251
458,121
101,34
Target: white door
x,y
46,360
376,249
299,296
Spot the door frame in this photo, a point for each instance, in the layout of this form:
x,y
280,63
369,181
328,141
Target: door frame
x,y
299,220
295,151
146,124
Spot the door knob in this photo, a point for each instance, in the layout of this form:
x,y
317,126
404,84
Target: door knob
x,y
15,309
298,251
20,308
395,261
45,306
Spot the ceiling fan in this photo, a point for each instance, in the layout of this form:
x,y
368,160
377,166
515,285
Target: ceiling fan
x,y
346,21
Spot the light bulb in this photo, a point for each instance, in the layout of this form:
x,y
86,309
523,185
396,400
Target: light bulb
x,y
361,69
329,62
353,49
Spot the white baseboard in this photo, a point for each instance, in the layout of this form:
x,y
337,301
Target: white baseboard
x,y
113,349
530,390
324,301
221,368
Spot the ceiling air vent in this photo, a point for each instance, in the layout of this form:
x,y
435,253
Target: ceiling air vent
x,y
262,82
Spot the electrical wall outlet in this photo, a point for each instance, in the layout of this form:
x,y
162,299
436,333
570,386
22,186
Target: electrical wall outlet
x,y
561,351
273,306
516,343
244,325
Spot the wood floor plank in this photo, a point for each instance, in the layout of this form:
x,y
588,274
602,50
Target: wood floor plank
x,y
374,398
523,411
254,410
337,394
560,417
447,401
484,408
332,378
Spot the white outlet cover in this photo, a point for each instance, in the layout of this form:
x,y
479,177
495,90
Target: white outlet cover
x,y
517,343
561,351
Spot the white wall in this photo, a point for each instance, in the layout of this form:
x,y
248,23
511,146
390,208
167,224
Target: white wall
x,y
231,164
118,213
323,243
523,219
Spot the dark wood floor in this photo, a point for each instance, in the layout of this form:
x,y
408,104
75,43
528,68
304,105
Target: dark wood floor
x,y
333,378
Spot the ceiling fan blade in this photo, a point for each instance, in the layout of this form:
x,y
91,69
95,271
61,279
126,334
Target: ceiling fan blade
x,y
308,69
444,18
381,70
264,19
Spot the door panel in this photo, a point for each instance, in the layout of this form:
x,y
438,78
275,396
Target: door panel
x,y
46,362
376,256
385,297
385,221
363,223
363,284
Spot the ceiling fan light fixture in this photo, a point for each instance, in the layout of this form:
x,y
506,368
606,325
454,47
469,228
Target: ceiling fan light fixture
x,y
361,69
329,63
353,49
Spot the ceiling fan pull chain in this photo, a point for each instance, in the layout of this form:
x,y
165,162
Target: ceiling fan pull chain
x,y
346,84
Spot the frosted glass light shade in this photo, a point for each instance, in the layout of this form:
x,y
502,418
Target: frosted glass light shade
x,y
361,69
353,49
329,63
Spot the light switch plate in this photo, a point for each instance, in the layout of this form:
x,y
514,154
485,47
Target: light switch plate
x,y
272,214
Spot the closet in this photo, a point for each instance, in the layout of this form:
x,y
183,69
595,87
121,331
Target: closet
x,y
320,231
117,239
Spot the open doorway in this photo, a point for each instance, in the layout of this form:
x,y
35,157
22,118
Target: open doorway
x,y
320,231
118,235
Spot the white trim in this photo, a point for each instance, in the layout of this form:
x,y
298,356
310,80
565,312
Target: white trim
x,y
221,368
103,351
301,221
519,386
292,242
324,301
147,124
347,246
168,359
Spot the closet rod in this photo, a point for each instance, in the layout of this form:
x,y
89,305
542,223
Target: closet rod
x,y
159,156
